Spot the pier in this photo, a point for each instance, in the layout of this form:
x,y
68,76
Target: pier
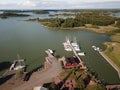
x,y
13,65
111,63
74,51
81,62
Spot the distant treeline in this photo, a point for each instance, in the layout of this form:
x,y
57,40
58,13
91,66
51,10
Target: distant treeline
x,y
37,10
81,20
9,14
67,10
41,12
92,10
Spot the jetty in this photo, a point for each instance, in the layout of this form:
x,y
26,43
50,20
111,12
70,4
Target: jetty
x,y
76,54
13,65
16,65
110,62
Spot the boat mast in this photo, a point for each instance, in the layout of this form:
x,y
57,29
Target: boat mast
x,y
18,57
75,40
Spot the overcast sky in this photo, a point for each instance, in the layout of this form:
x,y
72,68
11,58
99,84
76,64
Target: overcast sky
x,y
59,4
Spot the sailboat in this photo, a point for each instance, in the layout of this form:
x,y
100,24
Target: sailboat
x,y
75,45
67,45
18,64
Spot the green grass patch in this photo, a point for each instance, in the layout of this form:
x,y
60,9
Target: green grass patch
x,y
113,52
97,87
115,37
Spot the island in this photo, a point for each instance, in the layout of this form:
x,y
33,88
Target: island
x,y
11,14
40,12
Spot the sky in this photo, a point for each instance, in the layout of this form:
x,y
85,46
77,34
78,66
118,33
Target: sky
x,y
59,4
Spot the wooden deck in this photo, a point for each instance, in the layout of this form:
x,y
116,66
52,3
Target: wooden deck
x,y
76,54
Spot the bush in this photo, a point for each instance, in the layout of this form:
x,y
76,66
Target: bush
x,y
19,73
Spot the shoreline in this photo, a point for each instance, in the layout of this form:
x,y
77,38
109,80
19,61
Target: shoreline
x,y
99,30
110,62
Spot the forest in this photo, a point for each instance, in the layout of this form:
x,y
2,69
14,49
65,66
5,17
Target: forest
x,y
94,19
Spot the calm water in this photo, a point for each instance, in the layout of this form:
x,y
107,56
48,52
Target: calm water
x,y
30,40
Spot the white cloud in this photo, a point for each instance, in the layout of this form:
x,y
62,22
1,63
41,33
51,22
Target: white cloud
x,y
4,3
28,3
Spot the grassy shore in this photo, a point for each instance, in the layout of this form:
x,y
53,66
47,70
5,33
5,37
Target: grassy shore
x,y
113,51
113,47
99,29
89,27
115,37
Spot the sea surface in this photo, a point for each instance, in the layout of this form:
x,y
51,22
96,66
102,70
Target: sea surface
x,y
31,39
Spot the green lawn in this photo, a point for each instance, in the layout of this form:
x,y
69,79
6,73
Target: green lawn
x,y
116,37
97,87
113,52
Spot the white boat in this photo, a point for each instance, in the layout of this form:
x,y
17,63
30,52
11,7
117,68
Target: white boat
x,y
18,64
19,67
81,54
76,48
67,45
75,45
51,51
93,46
98,49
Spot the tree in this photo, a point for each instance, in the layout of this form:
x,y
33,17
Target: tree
x,y
81,84
68,22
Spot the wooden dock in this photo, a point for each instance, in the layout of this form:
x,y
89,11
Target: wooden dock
x,y
75,53
81,62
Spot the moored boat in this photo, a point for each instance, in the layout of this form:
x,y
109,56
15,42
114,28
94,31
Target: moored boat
x,y
67,45
81,54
